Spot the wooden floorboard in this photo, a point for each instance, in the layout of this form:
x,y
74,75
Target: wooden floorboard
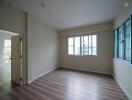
x,y
63,84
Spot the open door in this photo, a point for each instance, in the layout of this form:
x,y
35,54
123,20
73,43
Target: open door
x,y
16,59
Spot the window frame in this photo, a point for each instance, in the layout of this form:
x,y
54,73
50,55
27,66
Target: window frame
x,y
81,47
129,19
123,40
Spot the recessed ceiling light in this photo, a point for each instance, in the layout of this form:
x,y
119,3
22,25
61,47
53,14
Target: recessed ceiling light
x,y
42,5
61,21
126,4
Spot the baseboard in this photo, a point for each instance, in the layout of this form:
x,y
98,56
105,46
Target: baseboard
x,y
124,90
89,71
30,81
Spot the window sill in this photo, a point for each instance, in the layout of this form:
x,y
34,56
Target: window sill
x,y
124,61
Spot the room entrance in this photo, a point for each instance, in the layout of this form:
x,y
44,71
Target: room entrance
x,y
10,58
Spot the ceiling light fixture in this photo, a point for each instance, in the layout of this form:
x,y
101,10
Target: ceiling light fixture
x,y
42,5
126,4
61,21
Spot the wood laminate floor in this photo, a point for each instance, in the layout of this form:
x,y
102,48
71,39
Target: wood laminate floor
x,y
63,84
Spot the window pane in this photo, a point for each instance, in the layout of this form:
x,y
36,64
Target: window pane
x,y
90,44
127,40
94,45
70,50
120,43
82,42
85,52
70,46
77,45
115,43
7,51
7,43
70,41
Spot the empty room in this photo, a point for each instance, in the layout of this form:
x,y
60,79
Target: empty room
x,y
65,49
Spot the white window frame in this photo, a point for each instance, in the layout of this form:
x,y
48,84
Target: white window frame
x,y
82,48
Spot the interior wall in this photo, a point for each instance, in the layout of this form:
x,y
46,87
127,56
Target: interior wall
x,y
11,18
42,48
14,20
102,62
123,69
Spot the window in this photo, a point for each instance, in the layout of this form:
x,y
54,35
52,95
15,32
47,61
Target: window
x,y
123,41
7,51
70,46
115,44
85,45
120,43
82,45
77,45
127,31
94,45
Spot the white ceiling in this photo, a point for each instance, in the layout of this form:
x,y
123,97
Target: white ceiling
x,y
64,14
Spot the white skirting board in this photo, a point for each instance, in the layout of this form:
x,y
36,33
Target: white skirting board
x,y
88,70
30,81
124,90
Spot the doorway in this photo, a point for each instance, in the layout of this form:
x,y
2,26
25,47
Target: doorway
x,y
10,59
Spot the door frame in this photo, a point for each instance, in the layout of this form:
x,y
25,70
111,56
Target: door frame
x,y
25,55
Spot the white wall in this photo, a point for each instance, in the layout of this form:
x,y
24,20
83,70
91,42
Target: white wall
x,y
14,20
42,48
122,69
100,63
